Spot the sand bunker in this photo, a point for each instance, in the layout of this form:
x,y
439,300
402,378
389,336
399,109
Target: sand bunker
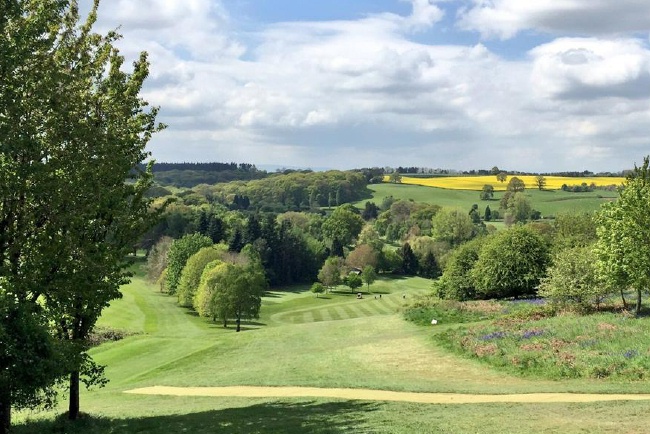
x,y
381,395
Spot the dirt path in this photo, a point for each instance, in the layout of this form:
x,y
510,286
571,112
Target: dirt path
x,y
381,395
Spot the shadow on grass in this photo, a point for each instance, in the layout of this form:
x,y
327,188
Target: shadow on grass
x,y
277,417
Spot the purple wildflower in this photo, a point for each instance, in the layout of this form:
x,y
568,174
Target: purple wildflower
x,y
493,335
532,333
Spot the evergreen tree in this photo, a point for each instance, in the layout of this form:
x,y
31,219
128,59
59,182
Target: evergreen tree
x,y
429,266
409,260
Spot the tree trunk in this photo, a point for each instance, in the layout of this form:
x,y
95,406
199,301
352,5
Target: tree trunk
x,y
73,409
623,297
638,302
225,322
238,323
5,413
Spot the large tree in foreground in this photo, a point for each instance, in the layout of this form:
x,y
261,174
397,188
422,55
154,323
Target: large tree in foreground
x,y
623,230
73,129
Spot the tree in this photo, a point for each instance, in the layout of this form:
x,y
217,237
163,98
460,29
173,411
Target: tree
x,y
519,208
353,281
395,177
330,273
501,177
74,128
516,185
429,266
457,282
232,290
193,270
317,288
370,211
510,263
488,214
487,193
577,229
474,215
409,260
573,280
24,336
361,256
623,246
452,226
342,225
157,258
368,275
495,170
540,182
180,251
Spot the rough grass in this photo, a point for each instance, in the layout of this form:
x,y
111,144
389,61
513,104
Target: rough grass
x,y
599,346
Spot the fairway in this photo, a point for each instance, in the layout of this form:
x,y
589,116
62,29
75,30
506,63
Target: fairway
x,y
333,364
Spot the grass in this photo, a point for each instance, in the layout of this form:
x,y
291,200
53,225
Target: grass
x,y
300,340
548,202
605,345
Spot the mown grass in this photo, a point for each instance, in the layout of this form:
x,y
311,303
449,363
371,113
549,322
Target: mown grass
x,y
549,203
371,348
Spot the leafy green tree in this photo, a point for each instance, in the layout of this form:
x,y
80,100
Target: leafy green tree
x,y
502,177
516,185
193,270
74,128
540,181
457,282
368,275
343,225
510,263
395,177
353,281
573,280
495,170
574,229
623,245
452,226
24,337
180,251
330,273
370,211
487,193
519,208
232,291
317,288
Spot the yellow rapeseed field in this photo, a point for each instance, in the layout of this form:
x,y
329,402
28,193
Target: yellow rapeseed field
x,y
477,182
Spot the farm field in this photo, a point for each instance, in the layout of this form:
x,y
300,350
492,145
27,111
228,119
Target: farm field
x,y
476,183
548,202
334,341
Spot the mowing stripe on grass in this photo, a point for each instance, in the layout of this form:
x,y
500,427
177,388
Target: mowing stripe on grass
x,y
308,317
317,314
342,312
325,314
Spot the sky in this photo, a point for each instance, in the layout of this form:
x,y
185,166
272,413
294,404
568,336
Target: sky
x,y
540,86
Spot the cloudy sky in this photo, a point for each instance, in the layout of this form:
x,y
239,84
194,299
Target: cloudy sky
x,y
543,85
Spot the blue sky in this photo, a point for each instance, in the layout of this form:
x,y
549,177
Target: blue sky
x,y
545,85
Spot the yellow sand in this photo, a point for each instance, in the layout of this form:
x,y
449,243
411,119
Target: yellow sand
x,y
382,395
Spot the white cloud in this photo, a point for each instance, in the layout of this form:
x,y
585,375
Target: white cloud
x,y
361,92
505,18
589,68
